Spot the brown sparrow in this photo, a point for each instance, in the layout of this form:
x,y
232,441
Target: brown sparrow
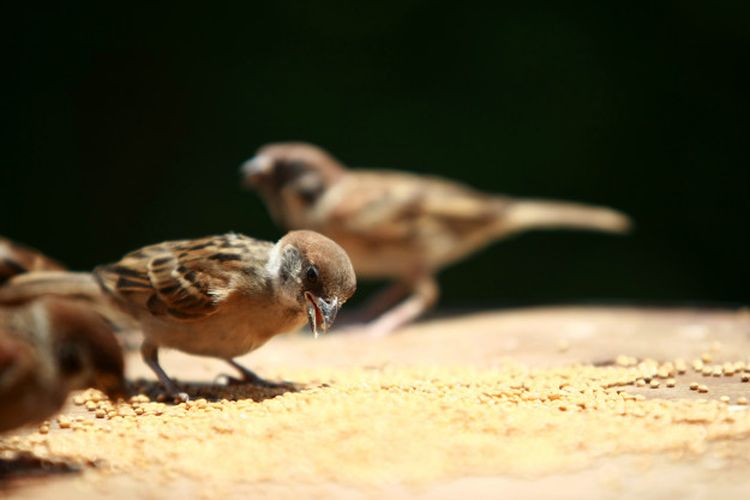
x,y
80,287
224,296
16,258
397,225
49,347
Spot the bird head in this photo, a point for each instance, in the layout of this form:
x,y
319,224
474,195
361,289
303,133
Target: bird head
x,y
315,274
290,177
86,351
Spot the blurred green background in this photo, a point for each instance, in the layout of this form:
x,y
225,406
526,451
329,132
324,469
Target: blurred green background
x,y
128,124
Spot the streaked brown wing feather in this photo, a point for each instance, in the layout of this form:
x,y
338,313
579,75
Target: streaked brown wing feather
x,y
186,280
17,259
396,206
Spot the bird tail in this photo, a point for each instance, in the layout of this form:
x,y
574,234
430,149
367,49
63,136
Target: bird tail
x,y
29,286
66,284
523,215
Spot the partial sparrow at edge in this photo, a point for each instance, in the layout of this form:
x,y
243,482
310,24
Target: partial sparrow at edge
x,y
16,258
48,348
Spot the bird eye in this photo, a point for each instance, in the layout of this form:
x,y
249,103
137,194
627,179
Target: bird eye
x,y
312,274
69,359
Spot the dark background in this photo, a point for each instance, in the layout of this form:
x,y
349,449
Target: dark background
x,y
128,124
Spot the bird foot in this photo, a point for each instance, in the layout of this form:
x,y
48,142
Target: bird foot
x,y
181,397
173,392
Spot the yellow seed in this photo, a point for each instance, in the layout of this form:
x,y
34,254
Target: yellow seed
x,y
706,371
680,365
724,399
706,357
745,378
694,386
654,384
622,360
671,382
702,388
43,429
742,400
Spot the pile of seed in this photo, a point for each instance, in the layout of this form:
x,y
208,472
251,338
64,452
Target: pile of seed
x,y
368,426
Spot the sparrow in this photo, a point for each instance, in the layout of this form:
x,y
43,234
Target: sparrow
x,y
397,225
80,287
16,258
48,348
224,296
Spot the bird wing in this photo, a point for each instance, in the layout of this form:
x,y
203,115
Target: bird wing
x,y
393,206
17,259
184,280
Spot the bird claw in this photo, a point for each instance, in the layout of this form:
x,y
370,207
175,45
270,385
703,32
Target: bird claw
x,y
181,397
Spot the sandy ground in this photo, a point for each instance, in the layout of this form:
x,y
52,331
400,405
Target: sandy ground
x,y
534,337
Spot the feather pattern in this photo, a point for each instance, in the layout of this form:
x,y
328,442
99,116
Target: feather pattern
x,y
187,279
18,259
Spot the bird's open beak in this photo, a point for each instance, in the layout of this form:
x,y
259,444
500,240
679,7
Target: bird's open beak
x,y
254,169
321,313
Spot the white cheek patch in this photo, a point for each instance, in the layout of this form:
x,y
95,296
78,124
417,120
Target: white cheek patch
x,y
284,269
273,266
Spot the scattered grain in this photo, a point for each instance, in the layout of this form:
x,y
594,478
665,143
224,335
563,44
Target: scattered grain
x,y
511,420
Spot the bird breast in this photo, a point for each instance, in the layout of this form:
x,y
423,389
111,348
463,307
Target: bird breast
x,y
239,327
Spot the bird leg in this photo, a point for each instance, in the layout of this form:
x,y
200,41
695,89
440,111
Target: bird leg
x,y
425,293
251,377
150,355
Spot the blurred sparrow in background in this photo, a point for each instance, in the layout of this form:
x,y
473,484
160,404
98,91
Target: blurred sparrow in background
x,y
224,296
400,226
48,348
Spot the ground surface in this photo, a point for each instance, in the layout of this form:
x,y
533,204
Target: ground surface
x,y
521,403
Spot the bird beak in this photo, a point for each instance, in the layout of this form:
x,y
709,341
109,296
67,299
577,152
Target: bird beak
x,y
254,169
321,313
112,386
